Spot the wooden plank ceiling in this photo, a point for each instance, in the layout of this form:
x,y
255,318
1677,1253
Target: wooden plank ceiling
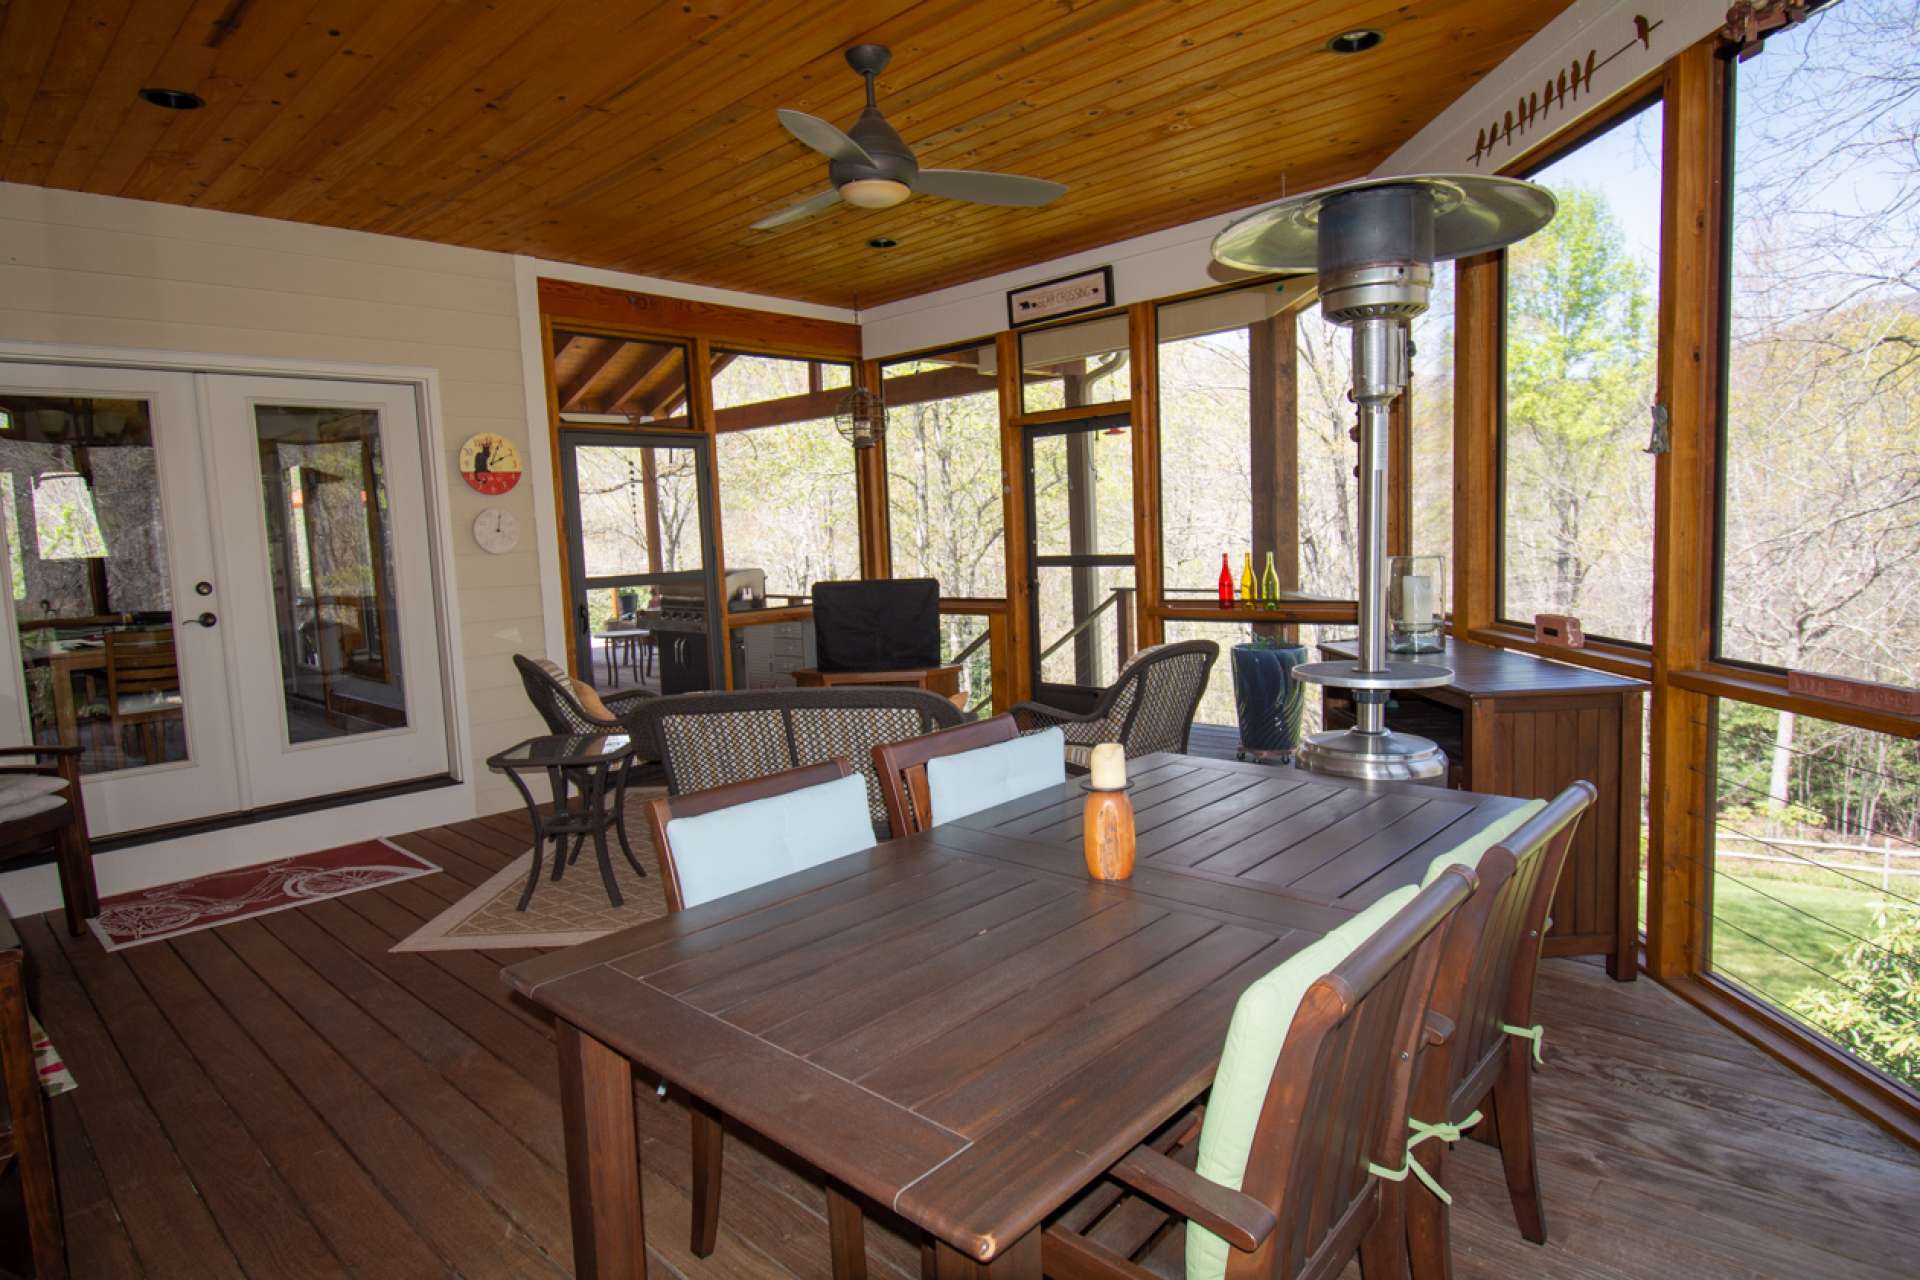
x,y
641,136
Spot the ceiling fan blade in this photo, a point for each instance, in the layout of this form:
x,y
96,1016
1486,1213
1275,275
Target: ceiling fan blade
x,y
823,137
805,209
988,188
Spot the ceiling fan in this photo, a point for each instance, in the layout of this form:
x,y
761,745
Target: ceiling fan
x,y
871,168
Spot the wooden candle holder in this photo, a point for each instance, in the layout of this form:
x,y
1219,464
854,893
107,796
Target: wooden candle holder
x,y
1107,834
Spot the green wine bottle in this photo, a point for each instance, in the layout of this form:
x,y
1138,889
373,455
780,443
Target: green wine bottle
x,y
1270,585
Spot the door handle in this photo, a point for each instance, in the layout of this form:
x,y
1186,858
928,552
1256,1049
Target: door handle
x,y
581,615
204,620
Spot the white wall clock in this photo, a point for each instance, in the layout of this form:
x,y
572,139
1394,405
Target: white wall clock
x,y
496,530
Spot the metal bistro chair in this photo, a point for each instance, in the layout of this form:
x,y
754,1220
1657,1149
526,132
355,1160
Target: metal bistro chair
x,y
570,707
1149,708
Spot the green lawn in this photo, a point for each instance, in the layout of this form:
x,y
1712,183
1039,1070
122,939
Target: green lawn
x,y
1774,928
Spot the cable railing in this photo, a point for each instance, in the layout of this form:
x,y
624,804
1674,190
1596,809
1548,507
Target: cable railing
x,y
1814,900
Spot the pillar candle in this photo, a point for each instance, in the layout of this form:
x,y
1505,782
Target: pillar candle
x,y
1109,767
1416,599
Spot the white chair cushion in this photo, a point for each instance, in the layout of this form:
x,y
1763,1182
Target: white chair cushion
x,y
22,795
969,781
1261,1021
736,848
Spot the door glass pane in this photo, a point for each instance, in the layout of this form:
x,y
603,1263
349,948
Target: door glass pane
x,y
1095,654
332,567
641,562
1083,492
87,564
1083,514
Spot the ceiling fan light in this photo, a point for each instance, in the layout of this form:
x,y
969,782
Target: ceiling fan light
x,y
874,193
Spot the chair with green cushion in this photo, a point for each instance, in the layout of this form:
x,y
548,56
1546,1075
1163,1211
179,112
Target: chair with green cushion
x,y
1486,992
1302,1145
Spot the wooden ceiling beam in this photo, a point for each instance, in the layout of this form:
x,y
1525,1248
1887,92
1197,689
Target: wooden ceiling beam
x,y
644,375
583,374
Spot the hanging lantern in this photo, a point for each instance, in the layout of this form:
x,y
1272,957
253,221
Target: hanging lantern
x,y
862,418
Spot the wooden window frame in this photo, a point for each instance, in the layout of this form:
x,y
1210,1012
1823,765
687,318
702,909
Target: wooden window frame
x,y
1622,657
1679,664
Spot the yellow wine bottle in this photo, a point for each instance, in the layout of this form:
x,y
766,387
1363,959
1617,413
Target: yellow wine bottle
x,y
1249,585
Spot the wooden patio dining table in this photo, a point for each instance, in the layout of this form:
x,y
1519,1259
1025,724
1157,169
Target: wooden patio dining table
x,y
961,1026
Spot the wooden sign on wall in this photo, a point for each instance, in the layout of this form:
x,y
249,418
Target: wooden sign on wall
x,y
1859,693
1067,296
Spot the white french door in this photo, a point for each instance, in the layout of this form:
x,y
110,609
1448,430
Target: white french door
x,y
218,588
322,524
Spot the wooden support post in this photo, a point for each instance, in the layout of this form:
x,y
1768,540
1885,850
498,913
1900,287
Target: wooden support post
x,y
1013,504
1273,386
870,481
1476,442
700,412
1143,321
1400,475
1684,534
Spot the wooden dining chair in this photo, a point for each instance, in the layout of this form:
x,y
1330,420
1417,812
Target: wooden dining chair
x,y
1486,991
1307,1115
143,689
902,768
738,825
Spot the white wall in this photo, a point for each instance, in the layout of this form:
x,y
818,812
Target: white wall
x,y
1178,260
100,271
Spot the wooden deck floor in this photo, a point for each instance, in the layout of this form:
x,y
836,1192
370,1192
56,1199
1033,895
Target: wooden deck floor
x,y
282,1097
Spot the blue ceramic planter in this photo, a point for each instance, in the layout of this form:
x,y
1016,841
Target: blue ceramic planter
x,y
1268,700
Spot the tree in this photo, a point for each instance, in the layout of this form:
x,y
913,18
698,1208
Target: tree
x,y
1579,383
1873,1010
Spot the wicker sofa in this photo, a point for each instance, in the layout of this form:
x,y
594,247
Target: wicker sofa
x,y
711,739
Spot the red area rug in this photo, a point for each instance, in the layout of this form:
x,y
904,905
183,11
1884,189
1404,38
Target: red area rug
x,y
168,910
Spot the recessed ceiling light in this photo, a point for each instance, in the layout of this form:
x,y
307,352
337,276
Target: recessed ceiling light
x,y
881,242
173,99
1356,41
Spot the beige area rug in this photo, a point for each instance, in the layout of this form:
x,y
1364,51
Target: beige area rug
x,y
562,914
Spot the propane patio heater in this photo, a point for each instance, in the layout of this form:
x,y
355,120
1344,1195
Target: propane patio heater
x,y
1374,244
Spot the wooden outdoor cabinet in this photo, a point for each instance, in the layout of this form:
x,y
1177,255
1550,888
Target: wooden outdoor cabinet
x,y
1513,724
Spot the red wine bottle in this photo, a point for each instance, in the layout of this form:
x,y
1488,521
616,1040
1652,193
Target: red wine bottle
x,y
1226,582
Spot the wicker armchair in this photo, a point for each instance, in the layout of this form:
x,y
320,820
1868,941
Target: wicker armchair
x,y
713,739
1149,708
554,695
